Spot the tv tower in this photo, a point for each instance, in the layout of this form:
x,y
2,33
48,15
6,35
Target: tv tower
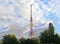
x,y
31,23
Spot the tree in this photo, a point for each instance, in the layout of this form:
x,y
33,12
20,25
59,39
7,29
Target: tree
x,y
0,42
56,39
32,41
29,41
9,39
51,29
22,40
48,35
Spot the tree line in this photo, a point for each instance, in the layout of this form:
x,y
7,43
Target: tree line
x,y
48,36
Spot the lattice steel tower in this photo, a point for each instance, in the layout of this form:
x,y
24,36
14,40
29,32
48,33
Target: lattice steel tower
x,y
31,23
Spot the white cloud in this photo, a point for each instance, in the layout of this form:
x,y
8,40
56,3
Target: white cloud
x,y
22,8
55,5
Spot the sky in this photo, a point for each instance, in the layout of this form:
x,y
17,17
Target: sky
x,y
15,14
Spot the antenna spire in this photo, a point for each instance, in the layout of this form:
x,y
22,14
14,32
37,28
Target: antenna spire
x,y
31,24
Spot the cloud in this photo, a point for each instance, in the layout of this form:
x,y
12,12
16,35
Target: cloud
x,y
16,14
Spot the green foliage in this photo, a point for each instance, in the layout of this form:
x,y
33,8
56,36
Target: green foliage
x,y
0,42
29,41
9,39
51,29
57,39
48,36
32,41
22,41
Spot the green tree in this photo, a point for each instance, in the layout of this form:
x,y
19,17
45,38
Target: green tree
x,y
9,39
48,35
0,42
56,39
51,29
29,41
22,41
32,41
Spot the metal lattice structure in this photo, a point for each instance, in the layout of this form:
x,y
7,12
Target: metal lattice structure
x,y
31,24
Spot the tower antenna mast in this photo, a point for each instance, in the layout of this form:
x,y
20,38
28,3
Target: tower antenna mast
x,y
31,23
